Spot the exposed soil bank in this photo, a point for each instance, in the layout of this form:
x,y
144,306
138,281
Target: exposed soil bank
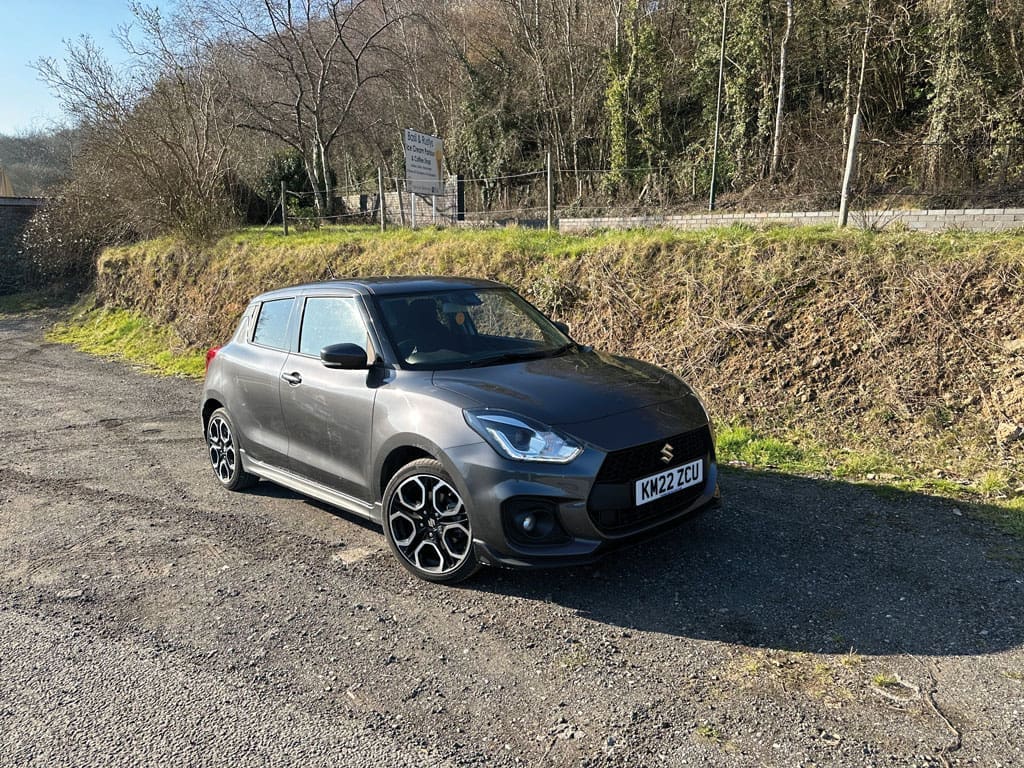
x,y
905,345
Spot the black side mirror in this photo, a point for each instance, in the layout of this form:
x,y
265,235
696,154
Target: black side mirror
x,y
561,326
347,356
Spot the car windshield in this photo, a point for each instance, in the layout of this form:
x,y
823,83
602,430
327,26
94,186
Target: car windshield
x,y
468,327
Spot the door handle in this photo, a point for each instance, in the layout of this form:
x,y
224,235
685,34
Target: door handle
x,y
292,378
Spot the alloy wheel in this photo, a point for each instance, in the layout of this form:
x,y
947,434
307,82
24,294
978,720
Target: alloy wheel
x,y
429,525
222,448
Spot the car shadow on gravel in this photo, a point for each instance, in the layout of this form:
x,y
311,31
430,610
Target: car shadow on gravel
x,y
268,490
807,565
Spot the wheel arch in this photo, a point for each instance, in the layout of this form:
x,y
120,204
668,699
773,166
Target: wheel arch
x,y
397,458
210,405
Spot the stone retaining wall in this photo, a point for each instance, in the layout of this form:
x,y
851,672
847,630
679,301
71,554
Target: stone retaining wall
x,y
14,215
936,220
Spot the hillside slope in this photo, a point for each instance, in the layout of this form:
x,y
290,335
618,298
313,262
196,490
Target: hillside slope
x,y
904,347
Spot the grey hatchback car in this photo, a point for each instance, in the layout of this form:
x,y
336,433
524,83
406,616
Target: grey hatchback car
x,y
457,416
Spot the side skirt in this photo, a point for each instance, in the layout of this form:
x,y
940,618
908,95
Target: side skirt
x,y
314,490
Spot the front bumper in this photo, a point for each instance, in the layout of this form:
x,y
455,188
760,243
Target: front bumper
x,y
558,557
487,481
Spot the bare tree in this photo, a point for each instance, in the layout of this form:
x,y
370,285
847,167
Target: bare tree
x,y
303,65
155,136
777,139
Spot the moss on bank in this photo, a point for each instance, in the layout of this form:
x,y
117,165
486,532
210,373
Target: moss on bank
x,y
129,336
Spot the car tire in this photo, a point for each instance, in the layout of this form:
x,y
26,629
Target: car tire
x,y
222,447
427,524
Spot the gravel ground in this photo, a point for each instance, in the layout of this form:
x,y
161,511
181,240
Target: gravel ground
x,y
148,617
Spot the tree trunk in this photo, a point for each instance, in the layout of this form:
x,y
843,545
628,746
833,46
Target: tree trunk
x,y
313,174
777,141
325,168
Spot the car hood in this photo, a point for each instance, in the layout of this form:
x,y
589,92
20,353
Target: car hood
x,y
573,388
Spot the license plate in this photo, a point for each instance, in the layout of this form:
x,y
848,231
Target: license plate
x,y
669,481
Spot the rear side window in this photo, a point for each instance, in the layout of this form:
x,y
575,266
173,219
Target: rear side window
x,y
331,320
272,324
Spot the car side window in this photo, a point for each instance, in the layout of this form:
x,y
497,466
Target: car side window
x,y
272,324
331,320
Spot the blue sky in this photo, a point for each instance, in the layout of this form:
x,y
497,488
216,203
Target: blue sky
x,y
31,29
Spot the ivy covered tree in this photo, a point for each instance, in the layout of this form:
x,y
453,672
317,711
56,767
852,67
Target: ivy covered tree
x,y
633,96
958,116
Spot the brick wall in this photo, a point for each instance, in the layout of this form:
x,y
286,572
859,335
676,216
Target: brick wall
x,y
14,215
937,220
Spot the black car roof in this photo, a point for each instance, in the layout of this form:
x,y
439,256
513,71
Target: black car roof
x,y
382,286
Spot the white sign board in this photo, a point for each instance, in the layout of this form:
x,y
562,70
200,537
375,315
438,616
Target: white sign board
x,y
424,162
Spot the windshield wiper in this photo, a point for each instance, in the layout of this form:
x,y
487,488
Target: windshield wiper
x,y
557,351
508,357
515,357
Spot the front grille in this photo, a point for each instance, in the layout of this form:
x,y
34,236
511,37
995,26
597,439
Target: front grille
x,y
633,463
612,501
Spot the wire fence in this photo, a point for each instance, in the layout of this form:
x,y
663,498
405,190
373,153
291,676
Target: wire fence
x,y
807,178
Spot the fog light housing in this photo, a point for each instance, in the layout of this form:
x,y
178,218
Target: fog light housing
x,y
532,521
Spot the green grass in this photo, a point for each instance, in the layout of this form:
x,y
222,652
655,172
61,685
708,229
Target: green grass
x,y
742,444
885,680
128,336
542,241
988,496
711,733
993,484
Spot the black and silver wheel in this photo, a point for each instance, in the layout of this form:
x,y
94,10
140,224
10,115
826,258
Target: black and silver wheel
x,y
222,446
427,524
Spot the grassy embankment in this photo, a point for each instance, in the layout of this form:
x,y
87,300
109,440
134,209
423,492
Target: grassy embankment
x,y
895,358
128,335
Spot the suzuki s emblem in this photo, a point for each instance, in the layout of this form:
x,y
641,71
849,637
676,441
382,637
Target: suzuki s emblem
x,y
667,453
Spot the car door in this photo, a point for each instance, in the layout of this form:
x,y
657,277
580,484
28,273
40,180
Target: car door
x,y
328,411
256,365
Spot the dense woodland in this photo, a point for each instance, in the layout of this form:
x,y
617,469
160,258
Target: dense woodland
x,y
224,98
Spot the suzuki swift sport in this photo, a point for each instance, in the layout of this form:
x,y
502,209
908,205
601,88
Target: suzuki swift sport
x,y
450,411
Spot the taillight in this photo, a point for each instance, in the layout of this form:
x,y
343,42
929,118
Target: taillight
x,y
210,354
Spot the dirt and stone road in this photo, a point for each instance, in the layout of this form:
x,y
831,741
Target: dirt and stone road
x,y
149,618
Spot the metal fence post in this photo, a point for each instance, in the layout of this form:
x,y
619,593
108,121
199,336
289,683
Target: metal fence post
x,y
380,199
284,208
551,201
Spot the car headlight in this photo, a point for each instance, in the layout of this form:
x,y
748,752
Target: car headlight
x,y
522,439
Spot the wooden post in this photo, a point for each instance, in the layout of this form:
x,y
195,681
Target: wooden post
x,y
284,208
412,209
380,199
718,107
551,197
851,163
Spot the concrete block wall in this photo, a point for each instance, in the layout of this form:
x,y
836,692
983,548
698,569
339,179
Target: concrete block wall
x,y
935,220
14,215
443,209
